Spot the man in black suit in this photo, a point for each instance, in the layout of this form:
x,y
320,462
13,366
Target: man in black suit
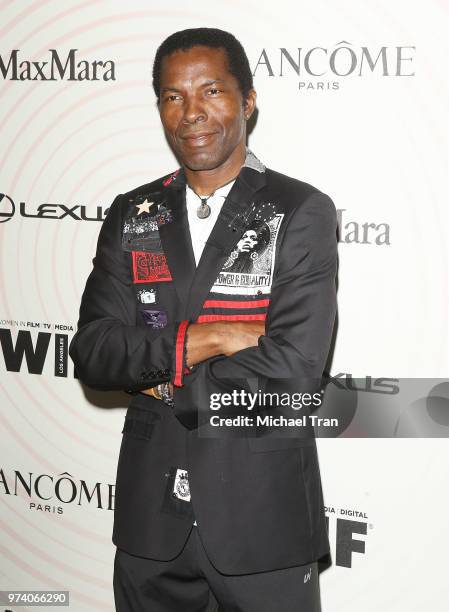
x,y
217,278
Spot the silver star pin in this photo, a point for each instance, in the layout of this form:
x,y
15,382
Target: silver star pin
x,y
144,207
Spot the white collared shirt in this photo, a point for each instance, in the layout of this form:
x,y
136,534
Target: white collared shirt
x,y
200,229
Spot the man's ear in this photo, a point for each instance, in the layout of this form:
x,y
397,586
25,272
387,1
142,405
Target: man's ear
x,y
249,104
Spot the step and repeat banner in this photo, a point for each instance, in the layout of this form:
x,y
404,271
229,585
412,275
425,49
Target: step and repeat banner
x,y
353,98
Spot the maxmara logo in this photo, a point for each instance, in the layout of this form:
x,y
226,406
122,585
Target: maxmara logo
x,y
56,67
361,232
315,66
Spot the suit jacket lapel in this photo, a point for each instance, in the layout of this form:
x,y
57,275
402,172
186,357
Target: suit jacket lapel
x,y
228,229
176,240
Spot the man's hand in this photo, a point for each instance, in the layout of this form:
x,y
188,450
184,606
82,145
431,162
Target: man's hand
x,y
205,340
150,390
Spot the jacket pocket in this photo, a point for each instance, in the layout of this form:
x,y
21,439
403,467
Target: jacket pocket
x,y
138,429
140,422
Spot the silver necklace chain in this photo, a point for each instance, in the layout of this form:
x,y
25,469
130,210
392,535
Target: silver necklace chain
x,y
203,211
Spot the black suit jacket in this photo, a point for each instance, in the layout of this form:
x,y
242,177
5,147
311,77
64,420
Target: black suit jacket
x,y
257,498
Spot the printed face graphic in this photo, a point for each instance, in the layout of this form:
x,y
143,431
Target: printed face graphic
x,y
249,267
247,242
201,107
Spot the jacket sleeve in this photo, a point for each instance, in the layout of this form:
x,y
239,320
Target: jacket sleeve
x,y
109,350
300,315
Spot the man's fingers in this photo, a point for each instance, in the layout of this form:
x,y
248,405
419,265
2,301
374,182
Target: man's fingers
x,y
154,392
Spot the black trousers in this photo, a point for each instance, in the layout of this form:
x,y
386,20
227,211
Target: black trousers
x,y
190,583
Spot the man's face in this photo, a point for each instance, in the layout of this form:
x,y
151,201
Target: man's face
x,y
201,107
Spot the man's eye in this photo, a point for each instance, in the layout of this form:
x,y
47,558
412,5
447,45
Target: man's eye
x,y
213,91
173,98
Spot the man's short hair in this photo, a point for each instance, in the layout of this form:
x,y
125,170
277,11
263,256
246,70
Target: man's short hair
x,y
238,63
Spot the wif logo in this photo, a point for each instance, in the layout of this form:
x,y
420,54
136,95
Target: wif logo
x,y
348,535
55,68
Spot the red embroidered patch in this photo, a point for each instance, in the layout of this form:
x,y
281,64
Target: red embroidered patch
x,y
150,267
171,178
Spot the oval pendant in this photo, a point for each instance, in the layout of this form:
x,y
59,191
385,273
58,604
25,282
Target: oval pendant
x,y
203,211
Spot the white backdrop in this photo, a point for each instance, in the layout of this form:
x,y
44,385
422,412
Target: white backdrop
x,y
375,140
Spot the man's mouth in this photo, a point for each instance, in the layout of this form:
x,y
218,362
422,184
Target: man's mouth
x,y
198,139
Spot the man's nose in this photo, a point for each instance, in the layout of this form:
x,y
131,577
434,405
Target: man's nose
x,y
194,110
